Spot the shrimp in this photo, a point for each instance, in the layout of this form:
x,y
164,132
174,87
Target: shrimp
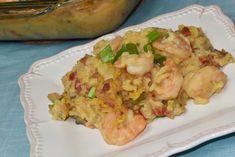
x,y
124,133
203,83
170,86
135,64
175,46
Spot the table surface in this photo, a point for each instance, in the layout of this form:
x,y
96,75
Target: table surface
x,y
16,58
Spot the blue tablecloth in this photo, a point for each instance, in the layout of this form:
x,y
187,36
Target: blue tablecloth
x,y
16,58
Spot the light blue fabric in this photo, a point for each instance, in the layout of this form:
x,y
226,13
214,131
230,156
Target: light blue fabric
x,y
16,58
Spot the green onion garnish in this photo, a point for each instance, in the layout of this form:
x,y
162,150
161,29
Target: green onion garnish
x,y
91,93
159,59
106,54
153,36
132,48
119,53
148,47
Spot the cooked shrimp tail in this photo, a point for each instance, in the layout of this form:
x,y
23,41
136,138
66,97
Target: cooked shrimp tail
x,y
122,133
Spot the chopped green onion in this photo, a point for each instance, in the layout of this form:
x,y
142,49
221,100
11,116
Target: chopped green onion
x,y
91,93
148,47
119,53
159,59
106,54
132,48
153,36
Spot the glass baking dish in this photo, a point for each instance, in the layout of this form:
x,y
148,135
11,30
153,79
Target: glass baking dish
x,y
61,19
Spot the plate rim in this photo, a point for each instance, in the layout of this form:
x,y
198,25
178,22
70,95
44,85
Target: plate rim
x,y
31,127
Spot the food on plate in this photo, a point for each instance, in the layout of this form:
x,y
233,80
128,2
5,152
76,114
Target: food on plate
x,y
144,75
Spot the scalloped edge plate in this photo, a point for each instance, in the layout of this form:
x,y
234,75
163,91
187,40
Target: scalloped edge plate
x,y
199,124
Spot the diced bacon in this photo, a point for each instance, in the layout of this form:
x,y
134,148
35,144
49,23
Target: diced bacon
x,y
160,111
106,87
72,76
185,31
78,86
148,75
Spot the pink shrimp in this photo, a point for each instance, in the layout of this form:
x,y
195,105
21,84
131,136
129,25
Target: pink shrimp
x,y
124,133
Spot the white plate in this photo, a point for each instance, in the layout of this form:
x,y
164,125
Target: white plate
x,y
162,137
